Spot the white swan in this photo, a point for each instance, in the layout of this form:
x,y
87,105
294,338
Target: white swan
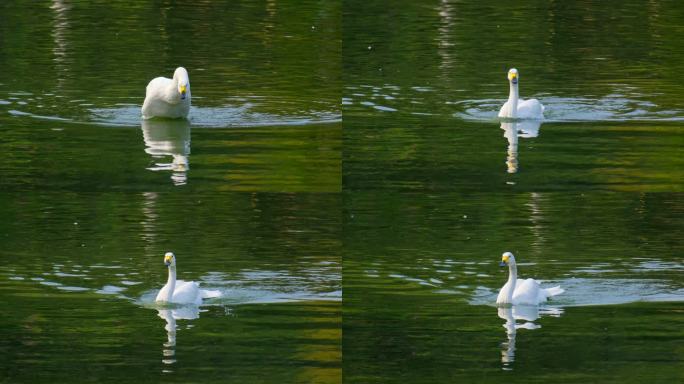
x,y
515,108
168,97
522,292
179,291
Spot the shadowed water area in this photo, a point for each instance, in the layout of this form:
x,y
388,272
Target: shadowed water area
x,y
245,192
436,188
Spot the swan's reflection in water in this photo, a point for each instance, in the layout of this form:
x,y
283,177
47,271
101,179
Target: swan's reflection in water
x,y
170,316
169,138
514,130
527,314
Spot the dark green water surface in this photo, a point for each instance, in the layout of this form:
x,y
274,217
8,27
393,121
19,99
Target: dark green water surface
x,y
344,183
246,193
421,276
436,189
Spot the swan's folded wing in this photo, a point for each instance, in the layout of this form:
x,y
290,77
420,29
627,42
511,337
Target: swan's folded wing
x,y
157,86
161,296
553,291
530,109
505,110
186,292
182,285
501,298
210,293
526,292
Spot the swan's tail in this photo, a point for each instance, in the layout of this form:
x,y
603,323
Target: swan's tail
x,y
210,294
553,291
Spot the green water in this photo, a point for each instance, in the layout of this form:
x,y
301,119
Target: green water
x,y
421,275
345,185
246,193
435,189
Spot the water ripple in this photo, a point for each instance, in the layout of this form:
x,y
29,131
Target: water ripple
x,y
567,109
590,291
238,112
317,283
217,117
417,100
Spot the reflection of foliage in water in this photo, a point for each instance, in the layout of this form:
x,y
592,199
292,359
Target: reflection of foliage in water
x,y
88,57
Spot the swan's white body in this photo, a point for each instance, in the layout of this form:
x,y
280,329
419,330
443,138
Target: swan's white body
x,y
522,292
168,97
179,291
515,108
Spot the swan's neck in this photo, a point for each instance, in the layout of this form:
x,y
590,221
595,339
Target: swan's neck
x,y
172,94
512,278
513,99
171,283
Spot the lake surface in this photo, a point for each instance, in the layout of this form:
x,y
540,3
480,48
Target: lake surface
x,y
421,276
344,184
436,188
246,193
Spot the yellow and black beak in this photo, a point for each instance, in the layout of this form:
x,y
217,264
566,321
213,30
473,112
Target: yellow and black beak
x,y
504,261
513,77
183,91
167,260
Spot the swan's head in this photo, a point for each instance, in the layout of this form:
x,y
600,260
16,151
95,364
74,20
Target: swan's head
x,y
507,259
170,259
181,76
513,75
